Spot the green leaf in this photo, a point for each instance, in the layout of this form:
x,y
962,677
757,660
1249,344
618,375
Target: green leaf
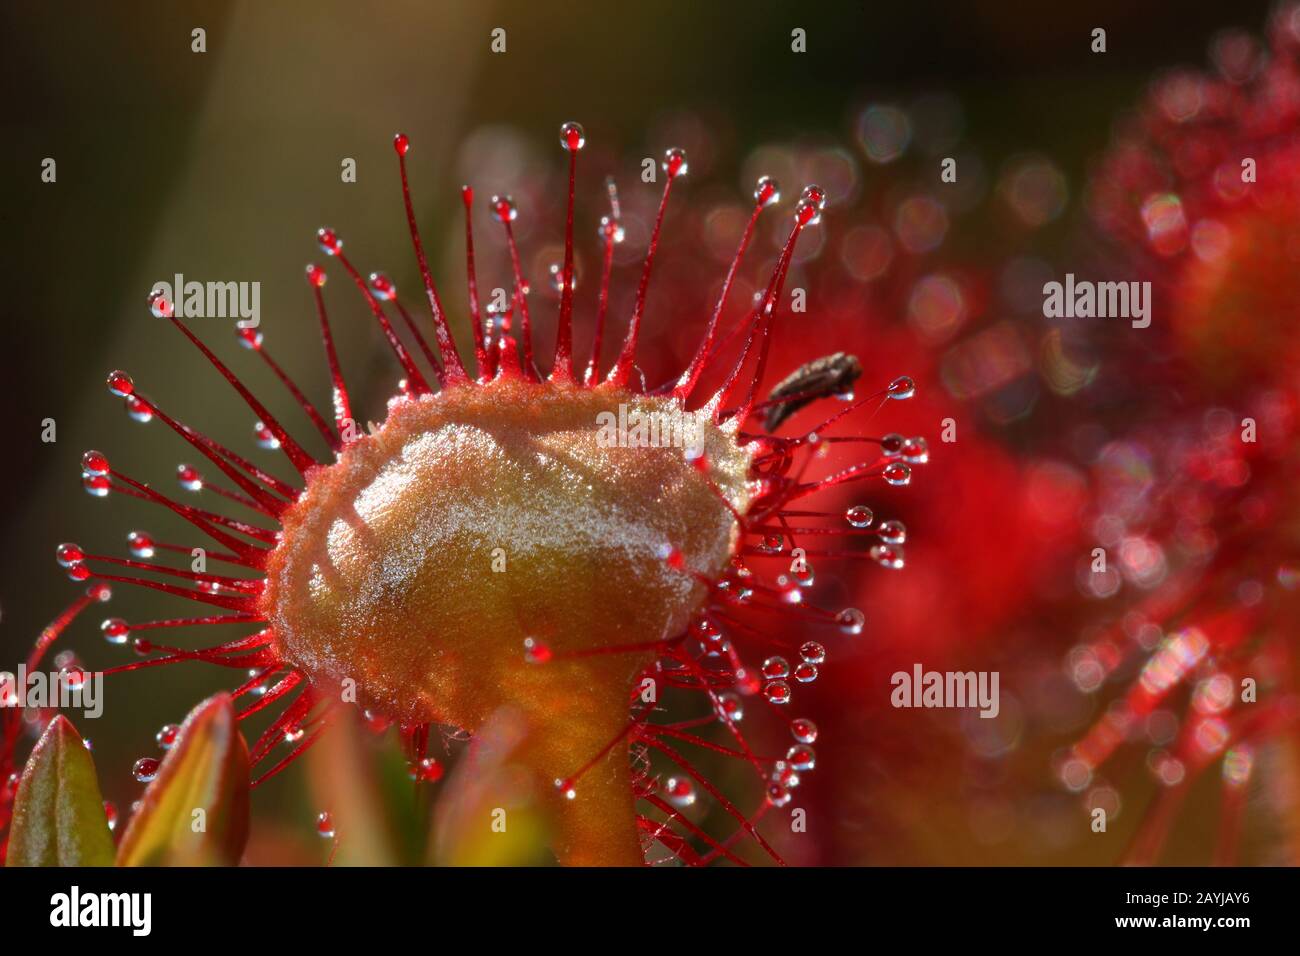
x,y
58,812
352,781
489,813
195,812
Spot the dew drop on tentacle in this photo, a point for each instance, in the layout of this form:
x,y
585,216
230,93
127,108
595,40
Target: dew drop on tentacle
x,y
138,409
679,791
382,286
777,691
145,769
893,532
730,707
167,735
572,137
801,757
536,651
159,304
115,630
776,667
860,516
140,544
189,478
897,473
888,556
803,730
120,384
901,388
504,209
69,555
94,463
812,652
674,162
264,437
851,620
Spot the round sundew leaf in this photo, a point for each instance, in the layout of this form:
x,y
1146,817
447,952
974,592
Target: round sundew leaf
x,y
195,812
59,815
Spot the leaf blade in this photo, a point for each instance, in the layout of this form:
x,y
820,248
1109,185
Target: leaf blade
x,y
206,770
59,817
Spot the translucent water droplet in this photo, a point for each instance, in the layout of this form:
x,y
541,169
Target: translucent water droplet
x,y
142,646
138,409
325,826
805,673
159,304
801,757
803,730
97,486
382,286
805,577
110,814
806,213
294,734
316,275
120,384
72,675
249,338
902,388
572,137
141,544
428,770
611,229
94,463
860,516
100,592
773,543
814,194
264,437
679,791
329,242
556,271
675,162
916,450
503,208
893,532
167,735
145,769
115,630
731,707
851,620
812,652
785,775
706,630
897,473
777,691
536,652
778,794
776,667
69,555
888,556
566,787
189,477
401,146
767,191
892,445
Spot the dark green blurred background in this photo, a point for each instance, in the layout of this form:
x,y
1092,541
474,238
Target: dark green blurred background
x,y
222,165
